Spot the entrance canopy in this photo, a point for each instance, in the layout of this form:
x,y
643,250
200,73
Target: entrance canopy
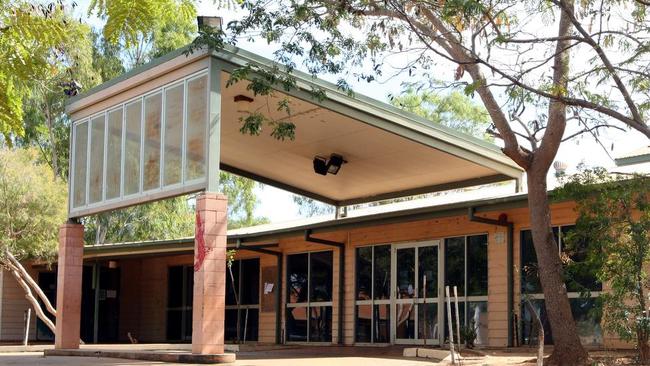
x,y
163,129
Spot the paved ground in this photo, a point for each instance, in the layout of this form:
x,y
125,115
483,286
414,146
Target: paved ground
x,y
285,356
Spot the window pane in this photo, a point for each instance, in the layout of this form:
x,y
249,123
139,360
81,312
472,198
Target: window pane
x,y
461,318
249,324
296,324
230,331
173,134
455,264
381,323
364,274
406,273
80,158
363,327
96,182
477,265
428,321
405,318
428,266
197,121
114,154
297,278
477,315
529,325
580,277
382,272
250,281
189,286
232,277
320,324
132,148
175,287
174,325
529,279
152,129
586,313
320,281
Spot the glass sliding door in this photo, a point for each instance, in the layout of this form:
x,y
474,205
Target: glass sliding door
x,y
309,297
415,303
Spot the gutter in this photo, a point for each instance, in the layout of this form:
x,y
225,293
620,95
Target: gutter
x,y
262,248
502,221
341,247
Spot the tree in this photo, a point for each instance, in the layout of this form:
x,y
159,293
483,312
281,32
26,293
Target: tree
x,y
32,206
614,219
32,47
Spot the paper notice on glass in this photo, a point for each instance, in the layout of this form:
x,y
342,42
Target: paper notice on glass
x,y
268,287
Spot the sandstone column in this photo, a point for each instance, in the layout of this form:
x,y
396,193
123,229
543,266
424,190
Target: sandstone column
x,y
208,312
68,287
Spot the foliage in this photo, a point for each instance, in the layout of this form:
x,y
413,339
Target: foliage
x,y
614,218
241,200
33,41
468,334
454,110
32,206
309,207
106,58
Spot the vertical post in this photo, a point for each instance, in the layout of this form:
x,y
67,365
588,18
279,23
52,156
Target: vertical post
x,y
28,318
457,318
451,327
208,313
68,290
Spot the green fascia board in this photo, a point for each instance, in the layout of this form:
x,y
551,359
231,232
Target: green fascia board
x,y
239,57
632,160
416,214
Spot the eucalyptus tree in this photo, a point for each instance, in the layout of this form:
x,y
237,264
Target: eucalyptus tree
x,y
537,66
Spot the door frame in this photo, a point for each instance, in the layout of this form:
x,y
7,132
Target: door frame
x,y
439,300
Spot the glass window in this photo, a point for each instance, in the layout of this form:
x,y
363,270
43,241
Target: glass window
x,y
246,279
180,282
455,263
320,277
381,268
381,323
529,280
173,134
132,148
296,324
320,323
250,281
197,121
428,269
152,130
364,274
428,321
80,163
232,277
96,182
477,268
363,328
297,272
405,273
477,316
114,154
580,276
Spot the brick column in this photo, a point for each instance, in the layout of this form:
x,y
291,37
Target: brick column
x,y
68,286
208,311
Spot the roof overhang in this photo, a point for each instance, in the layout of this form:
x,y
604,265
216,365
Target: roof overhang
x,y
390,153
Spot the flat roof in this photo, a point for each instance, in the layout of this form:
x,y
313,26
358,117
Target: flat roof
x,y
390,153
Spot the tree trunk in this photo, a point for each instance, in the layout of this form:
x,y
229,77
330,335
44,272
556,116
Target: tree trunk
x,y
567,348
32,300
642,344
30,281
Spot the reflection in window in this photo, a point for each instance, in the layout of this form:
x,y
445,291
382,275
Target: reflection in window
x,y
455,263
132,148
96,183
173,134
152,130
197,121
372,308
581,283
114,154
309,297
80,159
246,279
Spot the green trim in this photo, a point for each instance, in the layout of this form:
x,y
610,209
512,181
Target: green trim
x,y
632,160
186,245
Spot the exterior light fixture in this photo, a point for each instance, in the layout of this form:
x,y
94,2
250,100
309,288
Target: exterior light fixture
x,y
323,166
243,103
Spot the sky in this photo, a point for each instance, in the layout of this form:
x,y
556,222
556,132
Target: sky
x,y
278,205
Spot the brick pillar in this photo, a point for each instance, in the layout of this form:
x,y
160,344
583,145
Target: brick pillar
x,y
68,286
208,311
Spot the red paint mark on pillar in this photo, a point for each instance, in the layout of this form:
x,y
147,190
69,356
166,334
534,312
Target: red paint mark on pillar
x,y
201,250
